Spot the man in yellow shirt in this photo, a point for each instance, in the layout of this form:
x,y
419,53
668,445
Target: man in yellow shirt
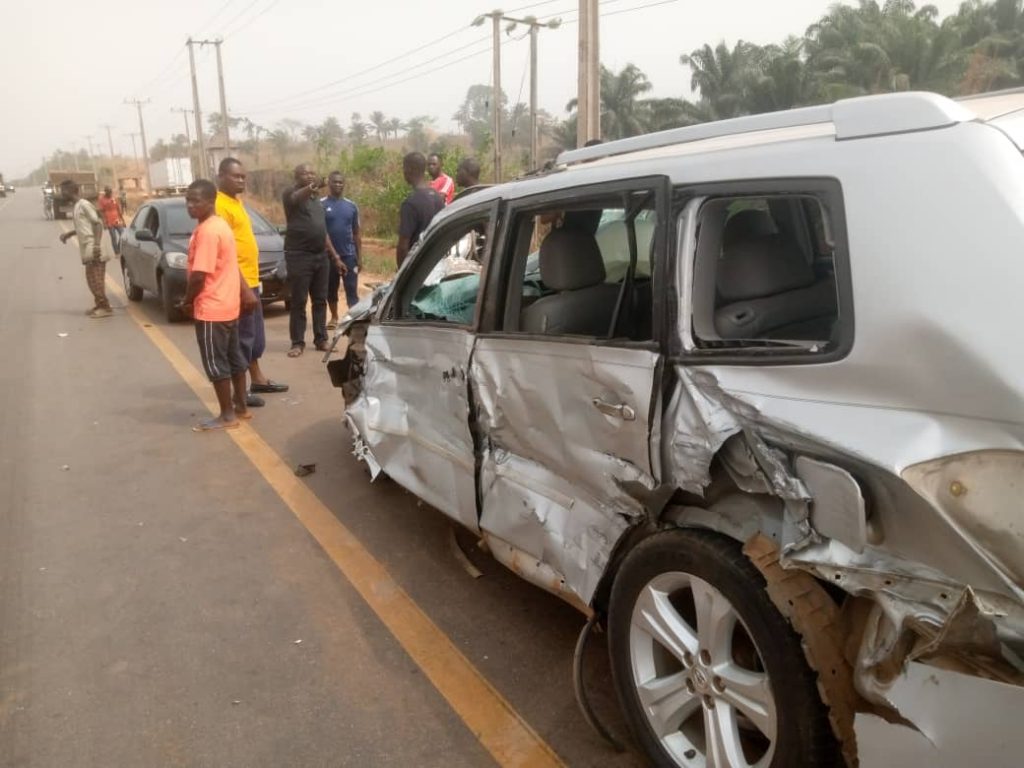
x,y
251,334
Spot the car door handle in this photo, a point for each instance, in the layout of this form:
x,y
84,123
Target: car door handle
x,y
619,410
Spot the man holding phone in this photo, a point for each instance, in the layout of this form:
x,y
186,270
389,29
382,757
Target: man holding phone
x,y
306,249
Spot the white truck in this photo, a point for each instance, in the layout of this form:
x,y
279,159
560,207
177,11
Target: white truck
x,y
170,176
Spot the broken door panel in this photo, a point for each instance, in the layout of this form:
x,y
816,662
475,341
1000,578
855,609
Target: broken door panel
x,y
565,434
413,415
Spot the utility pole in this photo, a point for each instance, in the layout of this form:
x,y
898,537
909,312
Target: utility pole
x,y
195,106
135,152
496,91
92,160
142,132
588,100
110,146
223,98
188,139
535,27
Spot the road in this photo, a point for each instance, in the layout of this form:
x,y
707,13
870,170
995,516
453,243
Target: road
x,y
170,598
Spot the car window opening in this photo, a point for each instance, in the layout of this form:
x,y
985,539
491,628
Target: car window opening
x,y
771,262
445,284
587,270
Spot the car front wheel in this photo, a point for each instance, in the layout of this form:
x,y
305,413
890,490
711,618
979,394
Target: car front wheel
x,y
133,291
707,670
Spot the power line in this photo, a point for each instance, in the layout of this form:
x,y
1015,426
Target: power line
x,y
250,20
218,12
638,7
239,15
325,86
380,84
531,5
163,73
282,103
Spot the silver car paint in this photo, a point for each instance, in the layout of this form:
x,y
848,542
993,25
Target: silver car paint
x,y
927,378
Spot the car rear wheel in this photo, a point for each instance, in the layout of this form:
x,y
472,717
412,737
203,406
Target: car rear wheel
x,y
707,670
133,291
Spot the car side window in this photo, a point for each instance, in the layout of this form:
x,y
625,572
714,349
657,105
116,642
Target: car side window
x,y
442,285
139,222
584,269
769,274
153,222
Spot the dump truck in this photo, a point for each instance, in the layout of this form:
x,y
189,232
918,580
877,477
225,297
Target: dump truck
x,y
87,187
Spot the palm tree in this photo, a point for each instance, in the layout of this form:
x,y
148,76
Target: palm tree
x,y
357,129
379,121
394,126
721,76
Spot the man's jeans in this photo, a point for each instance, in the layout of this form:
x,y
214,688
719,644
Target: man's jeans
x,y
116,233
307,277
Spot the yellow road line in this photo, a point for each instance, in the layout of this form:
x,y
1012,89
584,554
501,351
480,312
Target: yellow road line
x,y
490,717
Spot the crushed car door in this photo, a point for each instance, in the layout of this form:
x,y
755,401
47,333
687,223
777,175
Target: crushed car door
x,y
417,414
566,385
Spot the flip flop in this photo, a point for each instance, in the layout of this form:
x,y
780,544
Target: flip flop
x,y
214,424
270,387
243,415
295,351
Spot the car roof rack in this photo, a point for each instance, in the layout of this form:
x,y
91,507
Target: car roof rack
x,y
853,118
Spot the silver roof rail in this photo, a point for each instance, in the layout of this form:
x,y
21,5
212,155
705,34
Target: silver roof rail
x,y
853,118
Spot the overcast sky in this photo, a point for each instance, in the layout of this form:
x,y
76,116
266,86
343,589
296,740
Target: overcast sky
x,y
67,66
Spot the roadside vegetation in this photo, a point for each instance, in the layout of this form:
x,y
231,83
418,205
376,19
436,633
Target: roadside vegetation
x,y
852,50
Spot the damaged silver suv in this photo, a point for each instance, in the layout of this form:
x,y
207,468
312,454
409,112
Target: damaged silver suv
x,y
748,393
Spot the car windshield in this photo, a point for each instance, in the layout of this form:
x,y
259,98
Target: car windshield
x,y
180,224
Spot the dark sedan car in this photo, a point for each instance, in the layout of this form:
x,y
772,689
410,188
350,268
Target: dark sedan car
x,y
154,254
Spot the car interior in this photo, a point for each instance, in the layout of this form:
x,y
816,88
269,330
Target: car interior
x,y
586,271
771,260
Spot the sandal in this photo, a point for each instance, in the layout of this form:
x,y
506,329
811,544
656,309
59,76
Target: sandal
x,y
295,351
213,424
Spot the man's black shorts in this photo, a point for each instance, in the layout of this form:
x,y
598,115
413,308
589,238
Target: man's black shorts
x,y
218,347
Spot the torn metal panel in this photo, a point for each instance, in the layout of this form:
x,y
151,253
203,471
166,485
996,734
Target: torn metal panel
x,y
841,513
543,515
980,494
413,414
562,478
960,720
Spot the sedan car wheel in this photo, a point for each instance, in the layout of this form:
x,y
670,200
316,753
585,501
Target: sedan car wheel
x,y
171,311
133,291
708,672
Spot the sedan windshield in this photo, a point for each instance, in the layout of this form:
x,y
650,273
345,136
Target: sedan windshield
x,y
180,224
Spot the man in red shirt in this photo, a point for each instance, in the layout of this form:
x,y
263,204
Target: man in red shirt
x,y
440,181
215,296
113,217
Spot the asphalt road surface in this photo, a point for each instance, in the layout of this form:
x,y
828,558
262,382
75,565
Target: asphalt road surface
x,y
170,598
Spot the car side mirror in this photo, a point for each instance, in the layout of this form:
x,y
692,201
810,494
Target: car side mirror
x,y
144,236
282,229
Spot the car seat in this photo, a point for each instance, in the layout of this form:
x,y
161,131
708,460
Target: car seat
x,y
571,264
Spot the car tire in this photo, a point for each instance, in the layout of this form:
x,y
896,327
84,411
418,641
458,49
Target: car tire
x,y
171,312
132,291
734,668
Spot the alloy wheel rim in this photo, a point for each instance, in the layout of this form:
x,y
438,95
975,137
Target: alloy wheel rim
x,y
699,677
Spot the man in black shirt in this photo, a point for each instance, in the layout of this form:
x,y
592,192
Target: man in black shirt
x,y
418,208
306,246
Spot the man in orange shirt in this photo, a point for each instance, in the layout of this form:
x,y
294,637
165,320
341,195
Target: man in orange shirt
x,y
440,181
215,297
113,217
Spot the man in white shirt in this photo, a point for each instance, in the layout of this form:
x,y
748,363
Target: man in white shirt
x,y
88,229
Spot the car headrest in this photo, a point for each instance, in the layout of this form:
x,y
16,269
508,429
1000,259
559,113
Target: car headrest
x,y
570,260
761,265
745,224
